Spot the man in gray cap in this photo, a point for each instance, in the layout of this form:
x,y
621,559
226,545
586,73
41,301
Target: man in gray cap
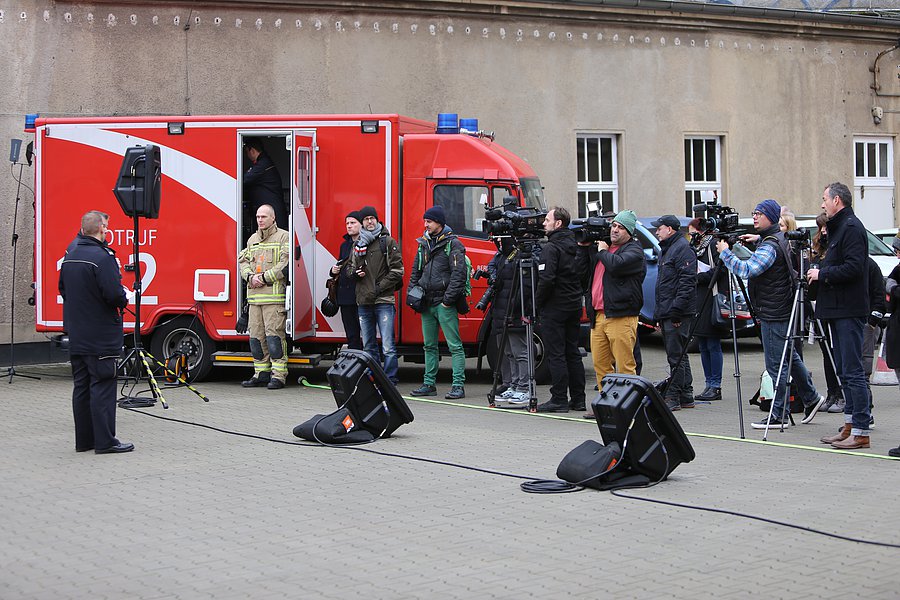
x,y
676,300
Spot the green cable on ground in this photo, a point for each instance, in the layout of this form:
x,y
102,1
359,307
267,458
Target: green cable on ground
x,y
560,417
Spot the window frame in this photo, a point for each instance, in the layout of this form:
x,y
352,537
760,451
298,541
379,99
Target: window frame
x,y
697,187
601,186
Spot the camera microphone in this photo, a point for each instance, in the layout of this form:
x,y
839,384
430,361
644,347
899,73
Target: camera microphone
x,y
700,208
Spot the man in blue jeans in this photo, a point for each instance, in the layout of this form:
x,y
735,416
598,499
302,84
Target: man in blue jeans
x,y
378,266
771,288
843,303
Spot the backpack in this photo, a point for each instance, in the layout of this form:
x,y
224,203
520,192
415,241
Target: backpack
x,y
468,287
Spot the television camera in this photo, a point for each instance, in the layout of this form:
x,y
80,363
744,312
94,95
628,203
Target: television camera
x,y
591,229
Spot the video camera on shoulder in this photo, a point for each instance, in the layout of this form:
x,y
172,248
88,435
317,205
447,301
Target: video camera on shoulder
x,y
591,229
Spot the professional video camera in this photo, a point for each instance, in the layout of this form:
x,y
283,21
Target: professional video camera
x,y
489,293
592,229
520,222
721,220
798,235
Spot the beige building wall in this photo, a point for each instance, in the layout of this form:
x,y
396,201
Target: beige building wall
x,y
786,95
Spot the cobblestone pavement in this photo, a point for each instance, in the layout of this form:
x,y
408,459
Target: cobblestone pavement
x,y
200,512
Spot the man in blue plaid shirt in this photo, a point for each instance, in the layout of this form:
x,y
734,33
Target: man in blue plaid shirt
x,y
772,282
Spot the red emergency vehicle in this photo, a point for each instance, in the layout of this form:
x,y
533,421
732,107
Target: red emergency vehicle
x,y
329,165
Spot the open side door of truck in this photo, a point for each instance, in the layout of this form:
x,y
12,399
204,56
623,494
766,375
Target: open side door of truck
x,y
307,276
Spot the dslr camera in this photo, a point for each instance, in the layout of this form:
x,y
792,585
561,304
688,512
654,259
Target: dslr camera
x,y
489,293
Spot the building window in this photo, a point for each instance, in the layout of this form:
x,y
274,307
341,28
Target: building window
x,y
598,182
873,159
702,171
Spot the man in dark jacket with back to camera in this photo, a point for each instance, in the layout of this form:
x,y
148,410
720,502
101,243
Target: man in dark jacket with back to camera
x,y
378,267
439,268
843,303
676,301
559,298
93,298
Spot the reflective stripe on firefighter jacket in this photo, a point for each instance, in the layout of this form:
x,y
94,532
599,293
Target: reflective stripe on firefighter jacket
x,y
267,253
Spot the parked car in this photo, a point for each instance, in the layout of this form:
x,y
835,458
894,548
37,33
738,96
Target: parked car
x,y
645,232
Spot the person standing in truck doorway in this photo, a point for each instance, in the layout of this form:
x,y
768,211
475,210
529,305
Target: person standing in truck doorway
x,y
262,183
262,265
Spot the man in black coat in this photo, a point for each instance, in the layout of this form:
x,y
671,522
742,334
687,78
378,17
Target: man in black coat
x,y
262,183
676,301
93,299
843,302
558,300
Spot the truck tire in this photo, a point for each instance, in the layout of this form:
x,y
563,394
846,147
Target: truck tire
x,y
541,368
184,333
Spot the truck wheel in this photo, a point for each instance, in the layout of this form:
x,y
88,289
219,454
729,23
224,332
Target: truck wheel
x,y
187,335
541,368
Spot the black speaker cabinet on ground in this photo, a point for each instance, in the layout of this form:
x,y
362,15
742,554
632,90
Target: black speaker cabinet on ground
x,y
137,187
359,382
626,397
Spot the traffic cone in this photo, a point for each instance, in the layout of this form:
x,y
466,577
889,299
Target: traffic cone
x,y
883,375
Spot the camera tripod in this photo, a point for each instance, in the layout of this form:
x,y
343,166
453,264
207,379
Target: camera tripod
x,y
523,261
135,365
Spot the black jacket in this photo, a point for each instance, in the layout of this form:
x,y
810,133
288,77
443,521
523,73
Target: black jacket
x,y
892,334
442,277
560,276
705,326
505,275
346,290
623,279
676,280
843,276
262,185
91,286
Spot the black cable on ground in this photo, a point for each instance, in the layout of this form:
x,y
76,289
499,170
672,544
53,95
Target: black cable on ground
x,y
561,487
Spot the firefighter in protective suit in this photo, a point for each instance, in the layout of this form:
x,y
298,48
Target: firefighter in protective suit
x,y
262,266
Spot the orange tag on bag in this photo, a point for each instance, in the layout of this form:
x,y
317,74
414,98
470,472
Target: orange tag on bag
x,y
348,423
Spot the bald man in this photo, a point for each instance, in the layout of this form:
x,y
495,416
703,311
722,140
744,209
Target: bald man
x,y
262,265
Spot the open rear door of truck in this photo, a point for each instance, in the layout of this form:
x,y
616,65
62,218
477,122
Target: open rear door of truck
x,y
307,278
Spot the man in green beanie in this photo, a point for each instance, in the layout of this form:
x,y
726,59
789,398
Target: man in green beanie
x,y
614,296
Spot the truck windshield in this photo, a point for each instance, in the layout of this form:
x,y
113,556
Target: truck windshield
x,y
533,193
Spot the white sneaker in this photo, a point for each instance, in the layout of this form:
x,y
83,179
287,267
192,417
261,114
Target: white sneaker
x,y
509,393
518,398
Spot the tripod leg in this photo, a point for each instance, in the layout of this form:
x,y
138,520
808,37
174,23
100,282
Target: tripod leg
x,y
154,387
181,379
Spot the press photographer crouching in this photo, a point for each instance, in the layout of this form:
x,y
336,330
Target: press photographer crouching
x,y
772,283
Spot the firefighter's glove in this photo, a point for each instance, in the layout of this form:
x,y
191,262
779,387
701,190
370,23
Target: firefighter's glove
x,y
241,325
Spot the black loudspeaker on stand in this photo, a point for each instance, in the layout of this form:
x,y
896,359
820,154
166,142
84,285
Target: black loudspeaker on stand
x,y
642,440
369,405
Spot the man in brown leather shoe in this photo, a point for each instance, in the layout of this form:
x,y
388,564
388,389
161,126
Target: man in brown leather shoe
x,y
843,304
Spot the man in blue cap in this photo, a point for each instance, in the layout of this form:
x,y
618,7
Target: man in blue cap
x,y
772,282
